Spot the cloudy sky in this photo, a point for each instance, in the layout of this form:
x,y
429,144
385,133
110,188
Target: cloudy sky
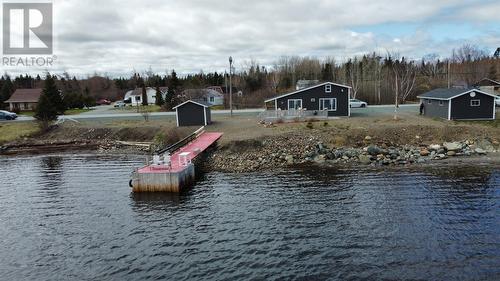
x,y
118,37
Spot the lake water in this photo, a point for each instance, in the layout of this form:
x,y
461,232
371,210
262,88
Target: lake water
x,y
73,217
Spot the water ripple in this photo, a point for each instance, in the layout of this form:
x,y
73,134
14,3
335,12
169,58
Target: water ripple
x,y
73,217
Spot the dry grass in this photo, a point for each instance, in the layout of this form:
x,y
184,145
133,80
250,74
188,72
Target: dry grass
x,y
16,130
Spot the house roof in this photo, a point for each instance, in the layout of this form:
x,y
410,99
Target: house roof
x,y
25,95
448,94
306,83
198,93
305,89
487,82
197,102
138,91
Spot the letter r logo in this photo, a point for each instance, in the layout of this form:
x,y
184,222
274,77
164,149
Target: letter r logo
x,y
27,28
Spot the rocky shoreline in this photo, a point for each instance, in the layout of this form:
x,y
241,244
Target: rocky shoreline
x,y
285,152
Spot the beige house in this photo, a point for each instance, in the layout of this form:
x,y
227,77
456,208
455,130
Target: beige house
x,y
24,99
489,86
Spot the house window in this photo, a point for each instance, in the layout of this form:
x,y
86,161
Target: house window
x,y
441,103
212,99
475,102
328,104
429,101
328,88
26,105
137,98
294,104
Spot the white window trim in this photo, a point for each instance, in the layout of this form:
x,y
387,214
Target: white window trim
x,y
441,103
331,99
328,88
288,103
429,101
478,103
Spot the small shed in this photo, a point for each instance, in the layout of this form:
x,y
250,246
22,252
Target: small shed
x,y
459,104
193,113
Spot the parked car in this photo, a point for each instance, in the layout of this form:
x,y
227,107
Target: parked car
x,y
119,104
103,102
497,101
357,103
6,115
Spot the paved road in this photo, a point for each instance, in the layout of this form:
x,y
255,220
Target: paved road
x,y
107,112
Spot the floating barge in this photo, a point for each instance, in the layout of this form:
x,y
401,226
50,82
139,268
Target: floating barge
x,y
177,170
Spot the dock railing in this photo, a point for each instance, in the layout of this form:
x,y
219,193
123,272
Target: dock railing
x,y
176,146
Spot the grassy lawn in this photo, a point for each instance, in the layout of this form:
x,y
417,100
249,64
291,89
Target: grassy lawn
x,y
15,130
67,112
492,123
217,107
27,113
76,111
150,108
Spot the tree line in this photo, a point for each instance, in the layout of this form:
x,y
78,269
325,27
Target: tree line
x,y
376,78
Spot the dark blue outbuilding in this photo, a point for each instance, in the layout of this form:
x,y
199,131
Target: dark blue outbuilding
x,y
193,113
459,104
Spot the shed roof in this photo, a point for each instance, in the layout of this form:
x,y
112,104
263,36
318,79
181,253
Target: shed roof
x,y
448,94
487,82
197,102
25,95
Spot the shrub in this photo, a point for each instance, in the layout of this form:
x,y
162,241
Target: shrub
x,y
310,125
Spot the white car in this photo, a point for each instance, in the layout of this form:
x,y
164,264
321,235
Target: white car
x,y
497,101
119,104
358,103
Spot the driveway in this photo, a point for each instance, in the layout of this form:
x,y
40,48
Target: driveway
x,y
109,113
384,110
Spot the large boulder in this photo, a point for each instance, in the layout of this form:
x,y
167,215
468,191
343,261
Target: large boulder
x,y
480,151
374,150
364,159
424,152
434,147
485,145
452,146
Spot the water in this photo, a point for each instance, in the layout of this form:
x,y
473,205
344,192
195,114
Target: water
x,y
73,217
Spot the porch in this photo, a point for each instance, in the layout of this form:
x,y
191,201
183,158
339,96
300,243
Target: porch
x,y
293,115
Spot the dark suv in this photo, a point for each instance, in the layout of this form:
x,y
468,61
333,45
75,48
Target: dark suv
x,y
6,115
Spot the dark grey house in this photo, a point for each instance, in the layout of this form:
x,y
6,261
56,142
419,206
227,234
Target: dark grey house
x,y
329,98
193,113
459,104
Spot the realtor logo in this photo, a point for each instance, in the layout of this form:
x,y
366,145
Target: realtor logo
x,y
27,28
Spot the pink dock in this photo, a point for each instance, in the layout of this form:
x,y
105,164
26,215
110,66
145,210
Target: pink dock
x,y
159,177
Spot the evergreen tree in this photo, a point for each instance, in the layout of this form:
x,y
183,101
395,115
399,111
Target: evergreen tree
x,y
159,97
7,90
171,99
46,111
53,94
144,95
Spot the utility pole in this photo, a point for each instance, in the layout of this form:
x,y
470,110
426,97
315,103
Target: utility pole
x,y
230,86
448,72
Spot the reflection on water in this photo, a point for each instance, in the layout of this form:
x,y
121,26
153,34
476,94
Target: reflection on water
x,y
74,217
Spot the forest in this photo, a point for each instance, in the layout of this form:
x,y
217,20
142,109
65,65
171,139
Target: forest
x,y
376,78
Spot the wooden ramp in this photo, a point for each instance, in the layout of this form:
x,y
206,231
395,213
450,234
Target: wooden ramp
x,y
180,173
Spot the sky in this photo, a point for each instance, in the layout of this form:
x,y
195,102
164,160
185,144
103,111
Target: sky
x,y
119,37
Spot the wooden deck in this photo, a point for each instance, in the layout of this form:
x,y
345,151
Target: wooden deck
x,y
194,148
173,178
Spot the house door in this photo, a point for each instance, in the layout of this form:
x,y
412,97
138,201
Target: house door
x,y
294,104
